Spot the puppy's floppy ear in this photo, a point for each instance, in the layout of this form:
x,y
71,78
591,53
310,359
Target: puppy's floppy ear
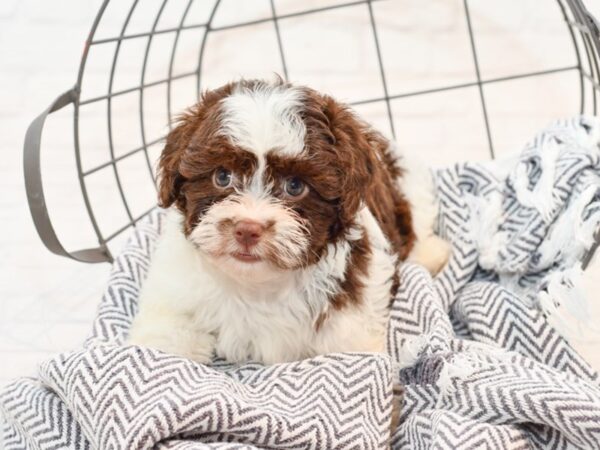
x,y
353,141
170,179
369,170
178,141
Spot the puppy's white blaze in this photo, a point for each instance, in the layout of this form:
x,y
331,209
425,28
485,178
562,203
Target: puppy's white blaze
x,y
263,119
257,186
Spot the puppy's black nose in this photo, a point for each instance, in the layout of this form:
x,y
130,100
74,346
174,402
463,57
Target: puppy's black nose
x,y
248,232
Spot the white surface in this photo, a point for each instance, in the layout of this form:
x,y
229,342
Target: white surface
x,y
47,302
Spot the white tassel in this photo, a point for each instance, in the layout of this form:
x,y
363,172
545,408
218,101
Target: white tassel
x,y
589,138
571,235
485,219
458,367
585,232
541,197
479,352
565,303
411,350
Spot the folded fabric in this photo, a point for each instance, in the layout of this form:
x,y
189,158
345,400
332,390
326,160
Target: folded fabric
x,y
479,350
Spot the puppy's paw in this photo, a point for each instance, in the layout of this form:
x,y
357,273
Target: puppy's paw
x,y
188,344
432,252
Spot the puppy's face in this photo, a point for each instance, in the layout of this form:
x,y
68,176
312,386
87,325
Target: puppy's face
x,y
266,175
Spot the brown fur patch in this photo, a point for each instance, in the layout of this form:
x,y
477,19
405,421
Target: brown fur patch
x,y
356,166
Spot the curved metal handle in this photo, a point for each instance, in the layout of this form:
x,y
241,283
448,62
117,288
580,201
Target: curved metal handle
x,y
35,190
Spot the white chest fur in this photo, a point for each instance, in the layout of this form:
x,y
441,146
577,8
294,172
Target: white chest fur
x,y
191,308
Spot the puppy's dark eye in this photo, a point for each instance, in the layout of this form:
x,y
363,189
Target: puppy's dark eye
x,y
222,177
295,187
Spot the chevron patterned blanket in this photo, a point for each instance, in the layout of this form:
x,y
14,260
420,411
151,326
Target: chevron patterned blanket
x,y
488,362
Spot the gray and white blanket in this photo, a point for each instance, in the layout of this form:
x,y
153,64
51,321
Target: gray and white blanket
x,y
488,364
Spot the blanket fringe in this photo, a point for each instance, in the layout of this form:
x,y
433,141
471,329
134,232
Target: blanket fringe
x,y
565,303
541,197
457,367
486,216
411,351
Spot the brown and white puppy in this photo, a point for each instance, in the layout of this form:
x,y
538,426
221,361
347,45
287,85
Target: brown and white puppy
x,y
286,227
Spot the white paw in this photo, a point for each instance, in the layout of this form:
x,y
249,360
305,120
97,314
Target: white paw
x,y
197,346
432,253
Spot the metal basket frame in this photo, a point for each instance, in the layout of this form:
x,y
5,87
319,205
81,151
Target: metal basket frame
x,y
577,18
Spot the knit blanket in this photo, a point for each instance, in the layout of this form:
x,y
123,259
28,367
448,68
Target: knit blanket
x,y
480,350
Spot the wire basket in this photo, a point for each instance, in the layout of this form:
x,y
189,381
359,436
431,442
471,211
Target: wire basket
x,y
111,91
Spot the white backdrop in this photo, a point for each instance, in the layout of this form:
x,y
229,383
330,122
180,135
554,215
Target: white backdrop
x,y
47,302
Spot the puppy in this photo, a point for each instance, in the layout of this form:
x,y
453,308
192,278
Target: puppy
x,y
288,219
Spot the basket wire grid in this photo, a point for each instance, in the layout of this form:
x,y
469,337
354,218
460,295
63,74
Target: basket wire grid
x,y
580,25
